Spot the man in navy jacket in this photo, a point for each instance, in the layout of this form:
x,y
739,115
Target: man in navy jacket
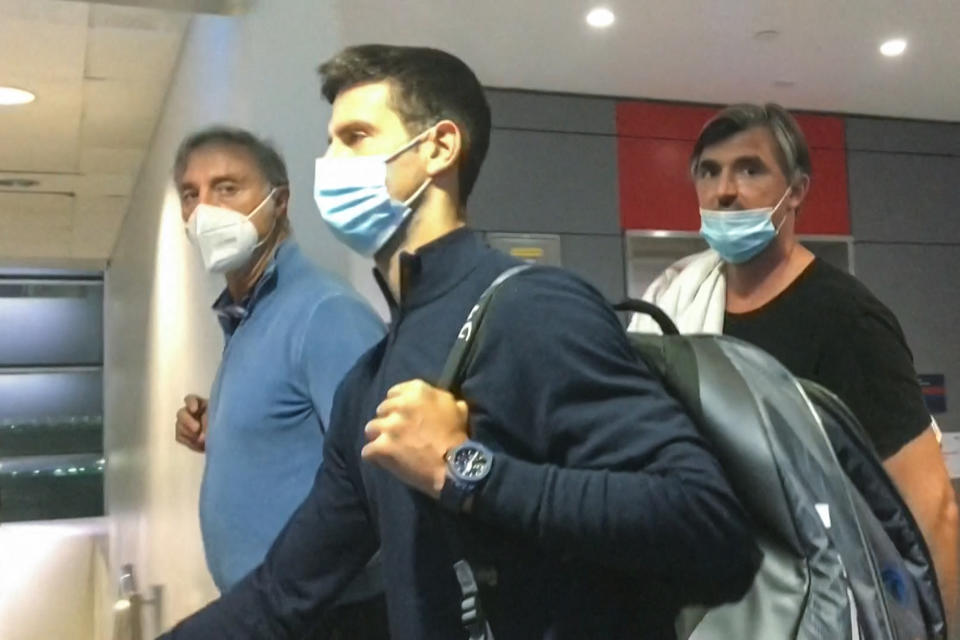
x,y
577,483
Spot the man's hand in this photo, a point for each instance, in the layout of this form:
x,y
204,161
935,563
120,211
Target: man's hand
x,y
415,426
192,423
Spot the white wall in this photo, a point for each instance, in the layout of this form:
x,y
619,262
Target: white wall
x,y
162,340
52,582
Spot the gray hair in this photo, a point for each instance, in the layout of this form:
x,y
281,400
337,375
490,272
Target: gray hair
x,y
268,160
793,155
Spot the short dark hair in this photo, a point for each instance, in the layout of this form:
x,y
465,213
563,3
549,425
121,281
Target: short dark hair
x,y
427,85
792,151
267,158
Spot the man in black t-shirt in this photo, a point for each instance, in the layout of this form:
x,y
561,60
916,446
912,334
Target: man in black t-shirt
x,y
751,169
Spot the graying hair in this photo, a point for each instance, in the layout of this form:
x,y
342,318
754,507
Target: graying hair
x,y
268,160
793,155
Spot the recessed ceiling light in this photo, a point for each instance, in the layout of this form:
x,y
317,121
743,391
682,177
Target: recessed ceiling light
x,y
892,48
12,96
600,17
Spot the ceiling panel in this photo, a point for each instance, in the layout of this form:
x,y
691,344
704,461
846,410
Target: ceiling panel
x,y
105,184
120,114
137,18
51,11
35,246
35,49
35,225
106,160
33,208
43,135
96,223
100,73
108,55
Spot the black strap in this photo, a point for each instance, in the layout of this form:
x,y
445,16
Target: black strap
x,y
462,350
471,612
648,308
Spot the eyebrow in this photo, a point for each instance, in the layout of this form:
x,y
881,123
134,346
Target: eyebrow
x,y
739,160
228,177
753,158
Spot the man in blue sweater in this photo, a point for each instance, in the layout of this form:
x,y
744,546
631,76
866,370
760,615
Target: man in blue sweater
x,y
291,331
579,487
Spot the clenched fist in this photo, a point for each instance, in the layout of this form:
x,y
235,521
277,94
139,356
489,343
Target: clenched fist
x,y
415,426
192,423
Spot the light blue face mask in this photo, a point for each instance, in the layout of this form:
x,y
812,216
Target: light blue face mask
x,y
351,193
738,236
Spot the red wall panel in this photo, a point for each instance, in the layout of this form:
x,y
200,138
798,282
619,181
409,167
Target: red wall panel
x,y
661,120
826,209
656,193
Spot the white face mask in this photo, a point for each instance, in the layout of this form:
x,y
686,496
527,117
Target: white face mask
x,y
226,238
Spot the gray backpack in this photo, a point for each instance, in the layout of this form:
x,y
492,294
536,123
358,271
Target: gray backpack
x,y
843,557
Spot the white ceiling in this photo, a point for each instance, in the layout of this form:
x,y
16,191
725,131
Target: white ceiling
x,y
695,50
100,73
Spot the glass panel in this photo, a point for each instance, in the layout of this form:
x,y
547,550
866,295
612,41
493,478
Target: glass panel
x,y
51,487
47,497
49,397
51,322
53,435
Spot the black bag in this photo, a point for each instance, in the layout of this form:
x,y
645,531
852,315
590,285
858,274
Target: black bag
x,y
843,556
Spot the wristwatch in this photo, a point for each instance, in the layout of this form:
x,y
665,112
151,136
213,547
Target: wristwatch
x,y
468,465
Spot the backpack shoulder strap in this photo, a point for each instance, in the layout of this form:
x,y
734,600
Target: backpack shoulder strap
x,y
453,371
472,614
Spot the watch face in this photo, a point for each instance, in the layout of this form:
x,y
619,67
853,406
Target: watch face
x,y
470,463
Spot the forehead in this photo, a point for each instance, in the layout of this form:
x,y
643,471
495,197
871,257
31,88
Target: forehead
x,y
218,160
368,103
756,141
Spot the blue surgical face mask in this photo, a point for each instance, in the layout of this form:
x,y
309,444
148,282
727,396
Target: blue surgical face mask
x,y
351,193
738,236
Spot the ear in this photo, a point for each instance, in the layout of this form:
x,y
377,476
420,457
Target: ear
x,y
798,192
445,144
281,198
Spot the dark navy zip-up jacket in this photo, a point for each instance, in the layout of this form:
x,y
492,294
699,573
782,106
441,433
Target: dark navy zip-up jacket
x,y
604,511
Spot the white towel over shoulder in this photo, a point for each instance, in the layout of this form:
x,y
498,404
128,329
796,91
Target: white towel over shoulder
x,y
692,291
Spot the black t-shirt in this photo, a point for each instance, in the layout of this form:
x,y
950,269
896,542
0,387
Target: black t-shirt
x,y
827,327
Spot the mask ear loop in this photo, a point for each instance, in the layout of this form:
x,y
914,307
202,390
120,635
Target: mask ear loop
x,y
418,192
426,183
257,210
414,141
784,218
